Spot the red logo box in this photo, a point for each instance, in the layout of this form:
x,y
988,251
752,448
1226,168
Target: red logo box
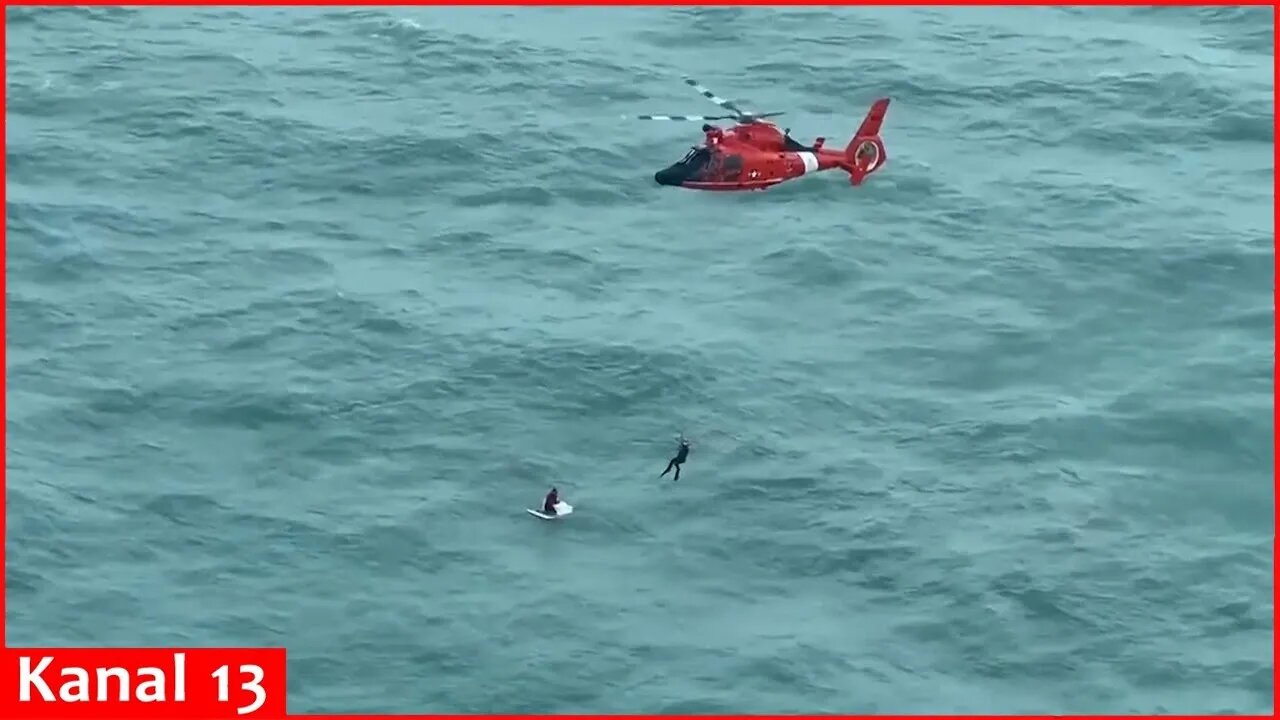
x,y
137,683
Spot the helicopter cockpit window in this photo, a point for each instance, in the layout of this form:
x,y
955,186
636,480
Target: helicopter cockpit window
x,y
696,157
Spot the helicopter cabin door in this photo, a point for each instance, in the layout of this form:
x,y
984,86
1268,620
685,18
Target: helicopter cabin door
x,y
725,167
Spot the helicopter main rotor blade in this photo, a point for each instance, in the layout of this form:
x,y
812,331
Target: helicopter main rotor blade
x,y
761,116
726,104
683,118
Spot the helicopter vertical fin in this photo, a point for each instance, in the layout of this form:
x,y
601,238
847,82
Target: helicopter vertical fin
x,y
865,153
875,118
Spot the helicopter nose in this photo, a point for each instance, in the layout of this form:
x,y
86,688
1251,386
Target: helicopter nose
x,y
667,176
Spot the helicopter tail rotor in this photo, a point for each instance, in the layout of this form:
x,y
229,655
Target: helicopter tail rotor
x,y
866,153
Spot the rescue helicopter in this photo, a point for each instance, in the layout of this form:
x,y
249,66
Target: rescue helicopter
x,y
755,155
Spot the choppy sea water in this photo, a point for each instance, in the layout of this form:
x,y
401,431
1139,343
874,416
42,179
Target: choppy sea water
x,y
305,306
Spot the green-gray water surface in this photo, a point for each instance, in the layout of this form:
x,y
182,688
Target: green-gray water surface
x,y
305,306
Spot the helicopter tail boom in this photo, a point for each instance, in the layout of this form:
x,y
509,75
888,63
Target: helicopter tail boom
x,y
865,153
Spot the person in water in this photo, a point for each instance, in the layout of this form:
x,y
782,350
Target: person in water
x,y
681,455
549,504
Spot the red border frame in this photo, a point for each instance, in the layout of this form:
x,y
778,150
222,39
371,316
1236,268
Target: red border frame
x,y
387,3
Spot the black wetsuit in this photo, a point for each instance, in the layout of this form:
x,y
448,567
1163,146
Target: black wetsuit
x,y
678,460
549,505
